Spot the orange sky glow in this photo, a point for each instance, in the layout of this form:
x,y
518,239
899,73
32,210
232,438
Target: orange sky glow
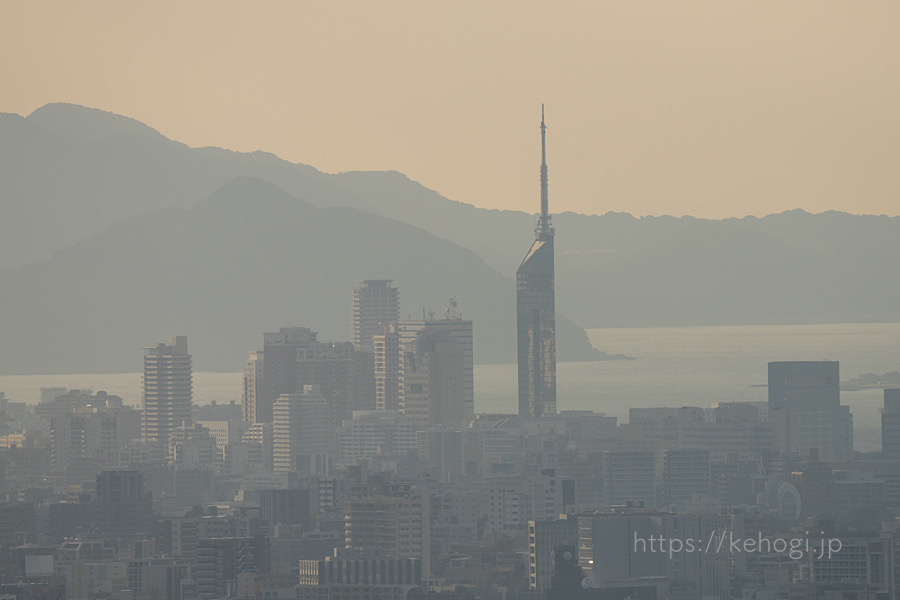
x,y
708,108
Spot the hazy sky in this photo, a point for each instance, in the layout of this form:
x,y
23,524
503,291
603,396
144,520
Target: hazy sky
x,y
712,108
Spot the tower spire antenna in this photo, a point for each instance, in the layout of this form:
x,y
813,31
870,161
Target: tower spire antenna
x,y
543,139
544,228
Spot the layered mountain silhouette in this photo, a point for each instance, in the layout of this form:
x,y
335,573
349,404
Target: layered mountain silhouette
x,y
113,236
247,259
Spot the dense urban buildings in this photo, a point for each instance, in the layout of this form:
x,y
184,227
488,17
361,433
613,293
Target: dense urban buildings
x,y
362,471
429,501
536,312
294,357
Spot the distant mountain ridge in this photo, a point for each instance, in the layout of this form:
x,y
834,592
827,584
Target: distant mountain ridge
x,y
69,174
247,259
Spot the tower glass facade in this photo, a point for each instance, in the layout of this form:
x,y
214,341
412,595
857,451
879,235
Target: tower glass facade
x,y
536,313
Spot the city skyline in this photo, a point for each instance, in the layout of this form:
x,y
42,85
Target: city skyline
x,y
643,408
713,110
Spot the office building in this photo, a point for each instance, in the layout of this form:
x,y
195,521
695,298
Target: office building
x,y
343,374
686,476
444,451
286,507
374,432
857,490
375,304
455,328
361,566
433,388
543,539
123,507
273,372
301,427
664,423
193,447
167,398
890,424
292,358
399,526
737,430
805,410
536,313
629,476
220,560
815,482
82,437
158,577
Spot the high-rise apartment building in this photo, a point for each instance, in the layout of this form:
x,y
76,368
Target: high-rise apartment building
x,y
536,313
375,304
805,410
167,398
254,386
387,354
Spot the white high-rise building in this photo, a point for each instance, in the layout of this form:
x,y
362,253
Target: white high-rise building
x,y
254,392
387,367
168,392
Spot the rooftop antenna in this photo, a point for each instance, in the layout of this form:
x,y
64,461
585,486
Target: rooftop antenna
x,y
451,309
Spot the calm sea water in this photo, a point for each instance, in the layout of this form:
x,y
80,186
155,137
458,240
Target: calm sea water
x,y
677,366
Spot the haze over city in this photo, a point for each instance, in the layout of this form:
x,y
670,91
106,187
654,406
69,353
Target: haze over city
x,y
449,301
